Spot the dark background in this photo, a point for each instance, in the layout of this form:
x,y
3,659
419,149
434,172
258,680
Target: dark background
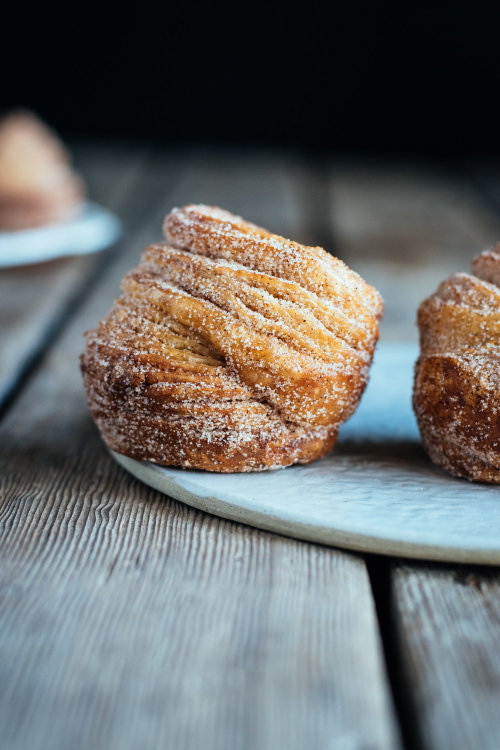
x,y
357,77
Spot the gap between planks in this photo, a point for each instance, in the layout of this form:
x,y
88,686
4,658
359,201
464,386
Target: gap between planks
x,y
447,619
128,619
440,625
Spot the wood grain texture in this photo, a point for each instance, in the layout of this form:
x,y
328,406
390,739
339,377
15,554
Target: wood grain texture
x,y
34,300
129,620
449,628
405,229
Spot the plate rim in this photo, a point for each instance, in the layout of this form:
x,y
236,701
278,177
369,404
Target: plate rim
x,y
359,542
89,211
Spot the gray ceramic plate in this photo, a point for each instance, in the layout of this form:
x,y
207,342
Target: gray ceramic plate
x,y
376,492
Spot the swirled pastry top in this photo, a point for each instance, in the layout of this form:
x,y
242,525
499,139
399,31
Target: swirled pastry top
x,y
292,320
464,312
227,313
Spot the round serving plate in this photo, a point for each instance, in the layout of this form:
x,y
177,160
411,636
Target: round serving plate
x,y
92,230
376,492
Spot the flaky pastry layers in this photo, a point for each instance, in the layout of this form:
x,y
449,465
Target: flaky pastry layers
x,y
457,378
230,349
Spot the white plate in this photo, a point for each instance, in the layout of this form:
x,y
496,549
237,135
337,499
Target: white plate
x,y
93,229
376,492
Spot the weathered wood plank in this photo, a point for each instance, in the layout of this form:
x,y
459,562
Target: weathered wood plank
x,y
130,620
405,229
35,299
449,629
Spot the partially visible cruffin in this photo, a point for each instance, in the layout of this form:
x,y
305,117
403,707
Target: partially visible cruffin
x,y
457,377
230,349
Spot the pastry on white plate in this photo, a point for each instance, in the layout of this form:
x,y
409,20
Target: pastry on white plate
x,y
38,185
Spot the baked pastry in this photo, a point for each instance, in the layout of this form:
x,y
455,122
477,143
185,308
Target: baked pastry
x,y
37,183
457,379
230,349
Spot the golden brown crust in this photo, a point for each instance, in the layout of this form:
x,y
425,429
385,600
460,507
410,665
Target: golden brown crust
x,y
226,358
457,377
37,184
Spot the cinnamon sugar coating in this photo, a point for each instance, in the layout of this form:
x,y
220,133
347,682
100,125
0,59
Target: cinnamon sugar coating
x,y
230,349
457,377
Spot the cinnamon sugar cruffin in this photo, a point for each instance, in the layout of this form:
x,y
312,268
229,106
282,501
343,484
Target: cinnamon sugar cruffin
x,y
230,349
457,378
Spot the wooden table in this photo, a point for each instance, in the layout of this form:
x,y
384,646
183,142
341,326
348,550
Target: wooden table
x,y
128,620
